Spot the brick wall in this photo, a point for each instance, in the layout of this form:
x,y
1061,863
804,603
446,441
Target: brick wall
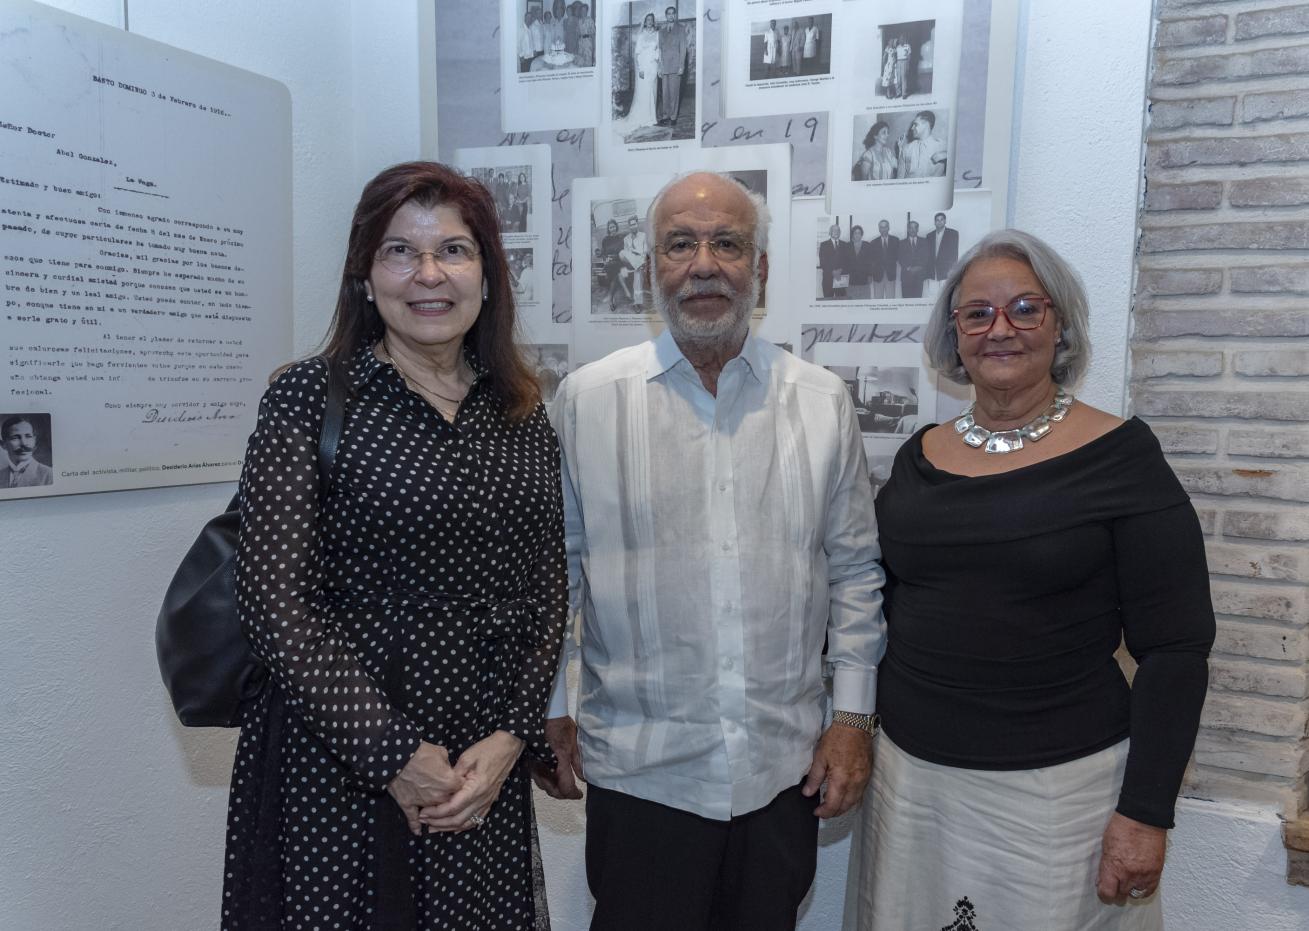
x,y
1220,355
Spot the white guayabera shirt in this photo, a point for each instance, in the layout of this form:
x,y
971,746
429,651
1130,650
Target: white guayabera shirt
x,y
713,544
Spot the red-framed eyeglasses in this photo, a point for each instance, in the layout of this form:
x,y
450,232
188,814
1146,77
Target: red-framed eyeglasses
x,y
1023,313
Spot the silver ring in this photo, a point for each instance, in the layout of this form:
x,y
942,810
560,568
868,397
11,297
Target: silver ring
x,y
1136,893
478,821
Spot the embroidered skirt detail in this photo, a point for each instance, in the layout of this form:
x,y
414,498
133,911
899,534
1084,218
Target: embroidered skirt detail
x,y
980,850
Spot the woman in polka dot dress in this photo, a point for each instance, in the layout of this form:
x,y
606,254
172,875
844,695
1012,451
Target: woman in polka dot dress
x,y
411,621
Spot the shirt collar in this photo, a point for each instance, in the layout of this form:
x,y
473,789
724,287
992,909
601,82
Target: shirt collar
x,y
666,354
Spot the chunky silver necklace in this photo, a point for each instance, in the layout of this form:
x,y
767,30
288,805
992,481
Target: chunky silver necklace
x,y
1006,441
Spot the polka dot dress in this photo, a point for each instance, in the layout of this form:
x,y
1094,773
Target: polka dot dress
x,y
424,600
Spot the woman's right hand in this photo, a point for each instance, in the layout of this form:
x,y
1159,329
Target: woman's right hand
x,y
427,779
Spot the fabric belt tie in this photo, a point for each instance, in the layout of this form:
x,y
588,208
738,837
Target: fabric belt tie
x,y
516,618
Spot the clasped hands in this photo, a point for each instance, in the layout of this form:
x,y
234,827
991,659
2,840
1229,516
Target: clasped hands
x,y
434,795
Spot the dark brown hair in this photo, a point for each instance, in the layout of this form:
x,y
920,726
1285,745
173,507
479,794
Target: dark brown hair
x,y
430,184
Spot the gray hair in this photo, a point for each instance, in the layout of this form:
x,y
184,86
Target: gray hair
x,y
1061,283
762,218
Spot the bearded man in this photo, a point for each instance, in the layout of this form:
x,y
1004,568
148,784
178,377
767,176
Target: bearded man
x,y
719,526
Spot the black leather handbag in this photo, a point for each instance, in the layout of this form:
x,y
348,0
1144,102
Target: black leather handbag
x,y
204,658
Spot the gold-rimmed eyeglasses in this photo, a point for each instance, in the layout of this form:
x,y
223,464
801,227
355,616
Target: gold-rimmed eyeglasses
x,y
1023,313
403,259
682,249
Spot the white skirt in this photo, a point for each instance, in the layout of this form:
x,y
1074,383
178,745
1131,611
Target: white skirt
x,y
938,847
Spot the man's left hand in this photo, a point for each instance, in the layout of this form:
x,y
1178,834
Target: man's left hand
x,y
843,760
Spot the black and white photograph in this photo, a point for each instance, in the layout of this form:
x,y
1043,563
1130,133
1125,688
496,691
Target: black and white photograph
x,y
790,47
754,180
859,258
27,460
906,62
885,397
898,145
653,71
555,36
618,250
879,469
872,257
549,62
550,362
893,134
522,275
883,369
511,188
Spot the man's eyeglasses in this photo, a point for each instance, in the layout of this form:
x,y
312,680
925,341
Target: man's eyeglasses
x,y
682,249
1023,313
404,259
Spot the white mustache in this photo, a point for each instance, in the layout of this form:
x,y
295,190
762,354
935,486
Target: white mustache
x,y
706,289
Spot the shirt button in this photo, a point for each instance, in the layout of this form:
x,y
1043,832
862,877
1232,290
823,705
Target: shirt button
x,y
722,486
726,546
728,664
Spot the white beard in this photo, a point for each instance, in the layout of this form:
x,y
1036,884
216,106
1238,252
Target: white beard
x,y
724,332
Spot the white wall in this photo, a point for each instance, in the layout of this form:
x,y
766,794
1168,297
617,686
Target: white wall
x,y
112,815
1076,158
1226,870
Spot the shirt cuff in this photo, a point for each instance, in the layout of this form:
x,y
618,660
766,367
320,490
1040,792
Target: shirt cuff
x,y
854,690
559,695
1153,815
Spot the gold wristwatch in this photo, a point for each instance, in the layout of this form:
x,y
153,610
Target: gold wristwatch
x,y
871,723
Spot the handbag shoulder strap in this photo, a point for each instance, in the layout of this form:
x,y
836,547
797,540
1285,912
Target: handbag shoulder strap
x,y
333,422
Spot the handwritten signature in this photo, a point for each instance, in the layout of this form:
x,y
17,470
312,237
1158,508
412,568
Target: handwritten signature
x,y
153,415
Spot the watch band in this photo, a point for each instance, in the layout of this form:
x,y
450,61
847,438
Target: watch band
x,y
871,723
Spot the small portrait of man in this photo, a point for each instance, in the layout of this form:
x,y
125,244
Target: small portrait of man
x,y
924,154
915,262
20,435
944,243
672,67
834,259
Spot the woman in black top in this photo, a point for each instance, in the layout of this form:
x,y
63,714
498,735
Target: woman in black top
x,y
412,620
1020,782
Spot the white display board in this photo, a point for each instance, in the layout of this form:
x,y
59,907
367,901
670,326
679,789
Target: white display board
x,y
145,227
895,115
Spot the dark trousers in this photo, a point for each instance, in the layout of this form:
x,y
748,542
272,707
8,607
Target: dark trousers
x,y
670,96
655,868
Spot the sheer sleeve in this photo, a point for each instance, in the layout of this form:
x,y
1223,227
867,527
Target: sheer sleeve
x,y
1168,621
524,714
278,576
